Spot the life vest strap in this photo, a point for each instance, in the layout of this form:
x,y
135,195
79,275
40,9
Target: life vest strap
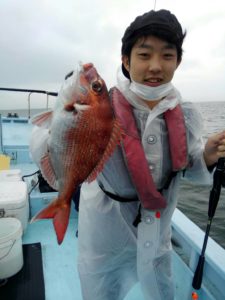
x,y
117,197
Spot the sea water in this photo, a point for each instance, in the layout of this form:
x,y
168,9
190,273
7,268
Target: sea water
x,y
193,199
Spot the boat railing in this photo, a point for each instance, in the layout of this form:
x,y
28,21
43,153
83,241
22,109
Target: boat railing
x,y
30,92
187,240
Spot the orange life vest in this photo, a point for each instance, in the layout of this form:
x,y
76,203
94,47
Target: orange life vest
x,y
135,158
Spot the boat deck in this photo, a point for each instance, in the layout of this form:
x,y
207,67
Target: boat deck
x,y
59,262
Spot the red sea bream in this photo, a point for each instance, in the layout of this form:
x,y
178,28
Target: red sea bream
x,y
83,134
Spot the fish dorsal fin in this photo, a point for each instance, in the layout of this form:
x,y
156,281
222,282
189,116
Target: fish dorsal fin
x,y
48,171
43,119
116,137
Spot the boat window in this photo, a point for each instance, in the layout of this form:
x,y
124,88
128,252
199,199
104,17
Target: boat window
x,y
20,121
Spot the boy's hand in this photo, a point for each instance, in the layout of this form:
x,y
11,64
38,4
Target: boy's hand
x,y
214,148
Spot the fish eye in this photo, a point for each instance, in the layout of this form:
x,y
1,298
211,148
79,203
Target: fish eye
x,y
96,86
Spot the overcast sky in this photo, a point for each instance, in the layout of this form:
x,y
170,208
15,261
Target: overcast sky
x,y
42,40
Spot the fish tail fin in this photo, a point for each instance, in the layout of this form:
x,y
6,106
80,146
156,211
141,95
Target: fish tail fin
x,y
60,215
60,222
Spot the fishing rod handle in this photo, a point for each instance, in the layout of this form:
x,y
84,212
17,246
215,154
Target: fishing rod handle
x,y
197,280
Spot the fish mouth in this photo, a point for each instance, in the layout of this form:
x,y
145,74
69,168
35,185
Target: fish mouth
x,y
84,67
87,66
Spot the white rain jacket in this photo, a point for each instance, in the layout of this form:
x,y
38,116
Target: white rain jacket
x,y
113,254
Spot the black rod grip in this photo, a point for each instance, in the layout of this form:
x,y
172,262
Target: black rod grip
x,y
197,280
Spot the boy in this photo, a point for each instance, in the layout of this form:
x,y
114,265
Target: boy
x,y
125,216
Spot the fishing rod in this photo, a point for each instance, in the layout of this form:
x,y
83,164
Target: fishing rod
x,y
28,91
218,182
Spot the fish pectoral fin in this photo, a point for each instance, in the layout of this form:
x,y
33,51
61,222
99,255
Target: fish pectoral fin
x,y
115,138
43,119
48,171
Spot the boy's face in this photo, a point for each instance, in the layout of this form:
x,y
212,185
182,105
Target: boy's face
x,y
152,61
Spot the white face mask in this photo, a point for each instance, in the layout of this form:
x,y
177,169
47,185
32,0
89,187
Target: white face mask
x,y
149,93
